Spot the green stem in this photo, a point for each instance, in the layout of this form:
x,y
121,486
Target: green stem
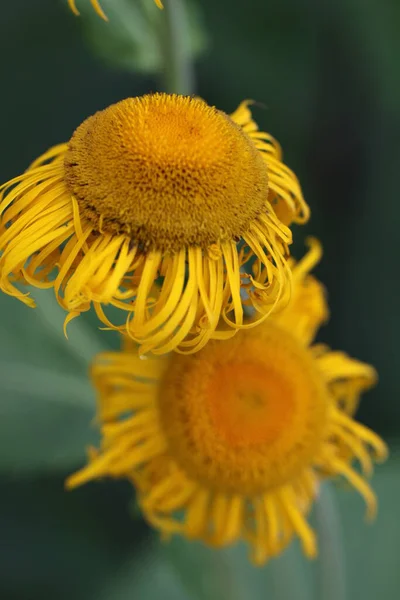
x,y
331,569
178,71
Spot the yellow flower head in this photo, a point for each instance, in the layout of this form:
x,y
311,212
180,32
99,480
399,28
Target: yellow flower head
x,y
231,443
98,9
160,188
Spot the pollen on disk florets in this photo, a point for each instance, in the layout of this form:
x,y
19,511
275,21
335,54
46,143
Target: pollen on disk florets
x,y
168,171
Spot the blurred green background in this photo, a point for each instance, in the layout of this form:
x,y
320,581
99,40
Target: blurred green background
x,y
328,75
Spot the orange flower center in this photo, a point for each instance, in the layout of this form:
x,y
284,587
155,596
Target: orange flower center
x,y
169,171
248,414
245,406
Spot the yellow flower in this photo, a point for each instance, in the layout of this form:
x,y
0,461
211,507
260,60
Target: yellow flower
x,y
157,188
98,9
231,443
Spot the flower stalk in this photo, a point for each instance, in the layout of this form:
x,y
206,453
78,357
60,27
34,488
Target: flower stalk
x,y
178,71
331,577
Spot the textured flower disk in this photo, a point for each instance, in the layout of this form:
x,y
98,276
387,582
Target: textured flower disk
x,y
98,9
163,207
231,443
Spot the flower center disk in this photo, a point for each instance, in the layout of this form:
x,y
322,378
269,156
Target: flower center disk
x,y
247,415
169,171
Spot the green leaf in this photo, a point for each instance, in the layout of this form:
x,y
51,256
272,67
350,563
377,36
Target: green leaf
x,y
45,419
189,570
145,575
47,401
212,574
34,336
84,340
63,545
132,38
